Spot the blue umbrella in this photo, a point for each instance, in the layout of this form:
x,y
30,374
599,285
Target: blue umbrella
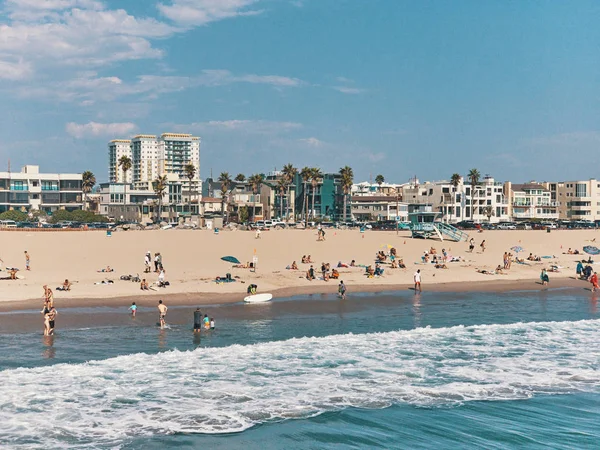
x,y
231,259
591,250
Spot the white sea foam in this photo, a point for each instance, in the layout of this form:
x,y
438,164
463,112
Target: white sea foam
x,y
230,389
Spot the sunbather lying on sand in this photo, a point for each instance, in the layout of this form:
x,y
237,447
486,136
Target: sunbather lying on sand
x,y
108,269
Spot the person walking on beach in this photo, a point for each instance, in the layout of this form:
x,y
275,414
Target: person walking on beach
x,y
147,262
27,261
133,309
197,320
342,290
162,313
544,277
156,262
417,279
594,281
471,245
482,245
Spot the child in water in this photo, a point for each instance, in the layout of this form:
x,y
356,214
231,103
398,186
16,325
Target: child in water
x,y
133,309
212,323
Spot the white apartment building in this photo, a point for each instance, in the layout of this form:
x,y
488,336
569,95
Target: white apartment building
x,y
576,200
116,149
144,156
530,201
486,202
29,190
374,189
378,207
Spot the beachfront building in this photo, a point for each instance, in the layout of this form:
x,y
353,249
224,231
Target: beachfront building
x,y
30,190
576,200
144,158
327,203
278,200
485,202
368,188
175,151
530,201
238,196
117,148
378,207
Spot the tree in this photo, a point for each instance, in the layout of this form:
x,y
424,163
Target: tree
x,y
225,181
17,216
473,177
289,172
315,178
380,179
489,212
240,177
347,180
125,165
282,184
160,187
190,172
455,181
255,181
243,214
305,174
88,181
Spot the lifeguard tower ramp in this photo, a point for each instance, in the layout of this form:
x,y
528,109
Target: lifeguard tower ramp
x,y
424,226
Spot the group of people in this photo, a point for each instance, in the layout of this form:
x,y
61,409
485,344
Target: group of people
x,y
482,246
320,233
326,272
49,311
199,320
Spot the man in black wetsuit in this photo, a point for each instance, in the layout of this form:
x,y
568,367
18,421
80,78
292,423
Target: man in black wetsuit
x,y
197,320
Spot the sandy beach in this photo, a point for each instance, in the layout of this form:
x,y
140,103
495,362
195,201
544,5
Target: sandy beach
x,y
192,262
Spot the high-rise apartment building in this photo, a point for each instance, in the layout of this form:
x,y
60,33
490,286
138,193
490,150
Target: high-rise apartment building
x,y
116,149
576,200
144,156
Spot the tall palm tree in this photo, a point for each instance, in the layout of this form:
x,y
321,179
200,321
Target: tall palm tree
x,y
379,179
88,181
305,174
282,184
315,178
189,171
125,164
225,181
240,177
347,180
160,187
455,181
473,177
255,181
289,172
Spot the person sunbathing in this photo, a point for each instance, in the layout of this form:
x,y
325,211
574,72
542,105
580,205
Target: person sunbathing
x,y
304,259
401,264
393,252
310,274
335,274
241,266
499,269
13,273
353,263
426,258
441,266
294,266
308,260
380,256
341,264
108,269
370,271
378,270
144,285
66,286
394,265
432,251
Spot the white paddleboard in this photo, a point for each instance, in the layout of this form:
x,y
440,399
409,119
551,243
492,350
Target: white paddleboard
x,y
258,298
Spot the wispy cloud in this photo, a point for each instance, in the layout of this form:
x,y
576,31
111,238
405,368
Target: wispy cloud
x,y
312,142
240,126
202,12
349,90
95,129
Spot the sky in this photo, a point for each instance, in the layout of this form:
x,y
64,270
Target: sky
x,y
392,87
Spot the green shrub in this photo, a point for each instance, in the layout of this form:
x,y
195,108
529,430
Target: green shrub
x,y
17,216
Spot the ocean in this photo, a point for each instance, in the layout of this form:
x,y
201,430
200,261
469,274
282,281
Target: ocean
x,y
388,370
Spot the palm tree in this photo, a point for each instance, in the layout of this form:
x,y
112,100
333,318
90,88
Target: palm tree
x,y
315,179
282,184
473,177
190,172
255,183
125,164
380,179
240,177
289,172
305,174
347,179
455,181
225,181
87,184
160,187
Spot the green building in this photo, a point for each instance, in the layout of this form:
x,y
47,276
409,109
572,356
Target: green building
x,y
328,198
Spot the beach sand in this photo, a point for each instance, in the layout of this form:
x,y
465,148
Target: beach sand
x,y
192,261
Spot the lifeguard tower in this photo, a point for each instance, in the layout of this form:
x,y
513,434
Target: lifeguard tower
x,y
423,225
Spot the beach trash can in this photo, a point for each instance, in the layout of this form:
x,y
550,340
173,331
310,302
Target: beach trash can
x,y
216,231
108,233
548,230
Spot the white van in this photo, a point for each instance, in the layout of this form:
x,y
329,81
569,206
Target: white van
x,y
8,224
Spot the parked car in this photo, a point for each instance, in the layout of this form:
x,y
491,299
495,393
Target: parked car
x,y
466,225
506,226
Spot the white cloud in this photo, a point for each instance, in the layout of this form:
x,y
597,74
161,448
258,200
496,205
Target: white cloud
x,y
95,129
241,126
312,142
348,90
202,12
14,70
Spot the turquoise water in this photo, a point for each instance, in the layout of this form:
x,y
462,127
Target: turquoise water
x,y
393,370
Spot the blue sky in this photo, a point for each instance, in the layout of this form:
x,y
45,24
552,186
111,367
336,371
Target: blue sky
x,y
396,87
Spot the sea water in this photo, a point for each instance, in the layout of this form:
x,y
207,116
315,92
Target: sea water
x,y
393,370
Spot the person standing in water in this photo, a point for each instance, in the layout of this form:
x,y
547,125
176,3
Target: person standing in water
x,y
51,320
342,290
206,322
417,279
197,320
162,313
212,323
133,309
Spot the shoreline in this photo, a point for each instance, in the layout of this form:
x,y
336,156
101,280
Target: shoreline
x,y
220,298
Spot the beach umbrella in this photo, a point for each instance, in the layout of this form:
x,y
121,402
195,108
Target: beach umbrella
x,y
517,249
231,259
591,250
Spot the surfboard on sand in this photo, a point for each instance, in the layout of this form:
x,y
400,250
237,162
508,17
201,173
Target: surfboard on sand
x,y
258,298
